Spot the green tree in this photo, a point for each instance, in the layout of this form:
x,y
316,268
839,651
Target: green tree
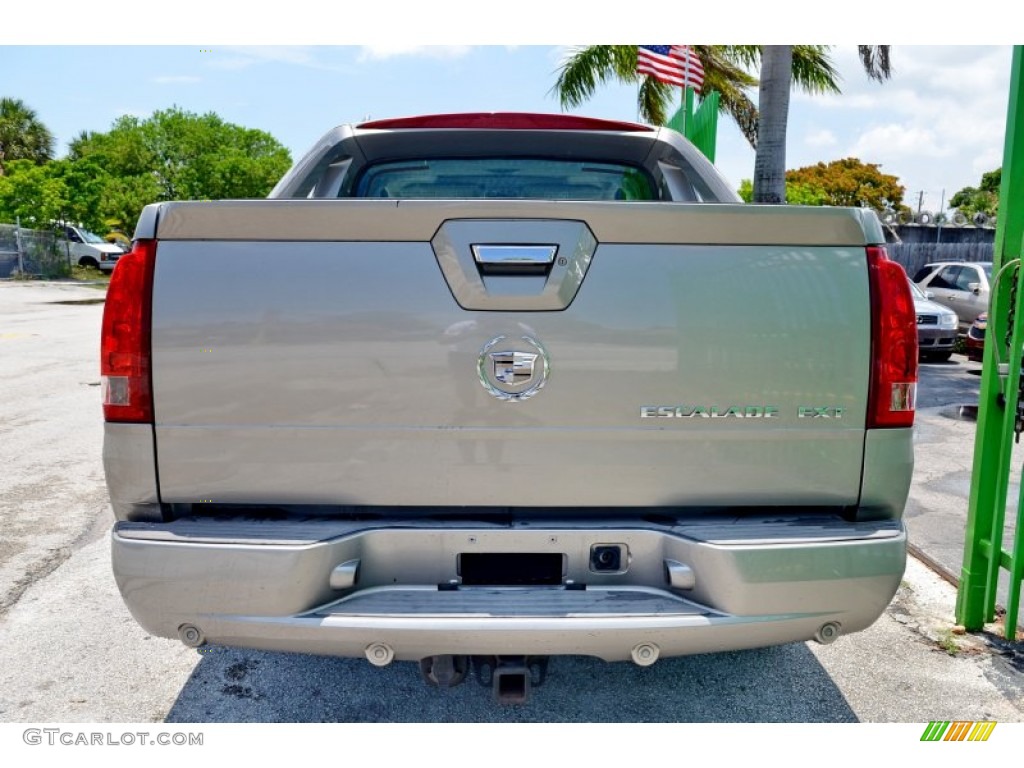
x,y
61,190
31,193
796,193
725,70
850,182
178,155
23,136
981,199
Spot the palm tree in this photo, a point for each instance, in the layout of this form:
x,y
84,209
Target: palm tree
x,y
22,134
773,96
777,65
725,70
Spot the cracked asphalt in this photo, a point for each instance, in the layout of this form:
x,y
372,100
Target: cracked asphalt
x,y
70,651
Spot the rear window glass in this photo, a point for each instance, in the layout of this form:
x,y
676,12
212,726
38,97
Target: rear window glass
x,y
510,178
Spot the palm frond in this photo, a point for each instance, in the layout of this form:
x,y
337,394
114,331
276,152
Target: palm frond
x,y
741,109
588,66
653,100
724,72
813,70
724,67
747,56
875,59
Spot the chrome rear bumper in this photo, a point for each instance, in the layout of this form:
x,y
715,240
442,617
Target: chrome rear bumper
x,y
353,589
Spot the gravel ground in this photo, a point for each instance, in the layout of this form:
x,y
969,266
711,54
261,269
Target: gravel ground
x,y
51,428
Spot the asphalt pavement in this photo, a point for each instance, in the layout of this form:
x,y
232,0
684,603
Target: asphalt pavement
x,y
70,651
944,433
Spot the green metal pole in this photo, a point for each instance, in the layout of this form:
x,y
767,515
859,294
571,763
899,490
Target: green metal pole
x,y
1010,239
997,403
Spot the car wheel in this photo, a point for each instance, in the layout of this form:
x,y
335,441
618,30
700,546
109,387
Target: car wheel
x,y
88,261
936,357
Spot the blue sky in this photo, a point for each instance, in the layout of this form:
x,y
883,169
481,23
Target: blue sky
x,y
937,125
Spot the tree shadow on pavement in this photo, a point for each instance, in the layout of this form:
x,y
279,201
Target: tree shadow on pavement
x,y
780,684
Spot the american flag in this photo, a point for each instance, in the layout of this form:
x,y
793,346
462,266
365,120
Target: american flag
x,y
674,64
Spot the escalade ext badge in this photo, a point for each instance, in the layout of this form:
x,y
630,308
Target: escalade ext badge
x,y
513,374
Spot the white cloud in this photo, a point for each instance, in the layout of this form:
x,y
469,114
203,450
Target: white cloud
x,y
843,100
821,138
377,52
898,139
986,162
243,56
937,124
290,54
168,79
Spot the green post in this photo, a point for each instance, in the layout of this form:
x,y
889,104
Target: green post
x,y
700,126
983,552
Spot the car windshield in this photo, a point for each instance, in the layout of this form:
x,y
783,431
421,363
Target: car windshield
x,y
918,293
90,237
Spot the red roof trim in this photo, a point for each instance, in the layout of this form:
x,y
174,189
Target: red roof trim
x,y
506,121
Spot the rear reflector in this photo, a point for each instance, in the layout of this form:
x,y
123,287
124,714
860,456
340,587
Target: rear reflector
x,y
125,340
507,121
893,393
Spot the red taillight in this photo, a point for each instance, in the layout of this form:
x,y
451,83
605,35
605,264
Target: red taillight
x,y
893,393
125,341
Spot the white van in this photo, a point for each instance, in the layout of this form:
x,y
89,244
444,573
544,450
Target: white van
x,y
88,249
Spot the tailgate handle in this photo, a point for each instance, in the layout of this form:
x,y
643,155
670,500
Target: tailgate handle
x,y
514,259
518,265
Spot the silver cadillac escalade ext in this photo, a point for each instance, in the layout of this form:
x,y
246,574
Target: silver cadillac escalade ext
x,y
477,390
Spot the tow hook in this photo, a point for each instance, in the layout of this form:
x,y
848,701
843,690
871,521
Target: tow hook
x,y
511,677
444,671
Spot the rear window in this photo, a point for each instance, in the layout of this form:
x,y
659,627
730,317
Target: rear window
x,y
510,178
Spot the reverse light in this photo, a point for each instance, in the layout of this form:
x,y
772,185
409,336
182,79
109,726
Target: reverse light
x,y
893,391
125,339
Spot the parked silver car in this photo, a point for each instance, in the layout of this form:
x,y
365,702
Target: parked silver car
x,y
959,285
936,327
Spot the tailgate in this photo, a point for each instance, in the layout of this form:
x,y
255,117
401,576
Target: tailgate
x,y
626,355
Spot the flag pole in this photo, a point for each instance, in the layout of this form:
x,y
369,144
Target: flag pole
x,y
686,85
685,110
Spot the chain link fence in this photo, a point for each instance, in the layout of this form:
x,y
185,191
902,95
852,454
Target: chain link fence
x,y
32,252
